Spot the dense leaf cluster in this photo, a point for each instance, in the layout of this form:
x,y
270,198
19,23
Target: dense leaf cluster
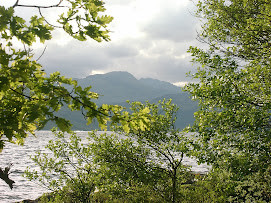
x,y
234,119
29,97
233,123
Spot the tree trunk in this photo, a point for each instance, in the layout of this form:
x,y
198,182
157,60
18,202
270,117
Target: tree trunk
x,y
174,180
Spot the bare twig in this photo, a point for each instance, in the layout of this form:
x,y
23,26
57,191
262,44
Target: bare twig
x,y
47,21
42,53
35,6
16,4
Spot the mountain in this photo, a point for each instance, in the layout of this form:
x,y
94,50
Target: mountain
x,y
115,87
118,87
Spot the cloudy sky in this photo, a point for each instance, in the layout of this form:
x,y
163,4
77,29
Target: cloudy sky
x,y
149,39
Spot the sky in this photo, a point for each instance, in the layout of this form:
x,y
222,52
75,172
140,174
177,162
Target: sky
x,y
149,39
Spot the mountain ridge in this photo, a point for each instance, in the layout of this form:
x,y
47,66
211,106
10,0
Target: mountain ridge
x,y
117,87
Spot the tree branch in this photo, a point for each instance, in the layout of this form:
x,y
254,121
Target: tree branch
x,y
4,176
35,6
16,4
42,52
47,21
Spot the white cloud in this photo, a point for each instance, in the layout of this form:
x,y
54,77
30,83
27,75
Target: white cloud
x,y
180,84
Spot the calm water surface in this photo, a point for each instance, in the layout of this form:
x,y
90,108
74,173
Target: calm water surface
x,y
19,157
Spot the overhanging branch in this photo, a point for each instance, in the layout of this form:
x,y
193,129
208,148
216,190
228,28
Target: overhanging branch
x,y
36,6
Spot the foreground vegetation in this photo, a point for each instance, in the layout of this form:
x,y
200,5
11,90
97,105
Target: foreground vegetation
x,y
140,166
113,169
128,165
231,131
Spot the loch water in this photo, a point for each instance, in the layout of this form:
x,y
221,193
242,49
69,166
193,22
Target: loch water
x,y
19,157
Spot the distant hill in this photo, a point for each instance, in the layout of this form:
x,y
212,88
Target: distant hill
x,y
118,87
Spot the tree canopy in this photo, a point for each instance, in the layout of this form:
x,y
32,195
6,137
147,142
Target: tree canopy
x,y
29,97
234,94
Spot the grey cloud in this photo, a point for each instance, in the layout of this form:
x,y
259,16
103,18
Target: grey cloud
x,y
79,59
163,67
164,60
160,54
167,69
177,25
142,58
121,50
74,59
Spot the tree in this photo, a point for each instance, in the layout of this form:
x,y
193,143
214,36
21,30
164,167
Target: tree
x,y
67,171
139,165
151,157
234,94
71,171
29,98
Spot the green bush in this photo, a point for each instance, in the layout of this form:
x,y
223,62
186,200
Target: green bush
x,y
66,170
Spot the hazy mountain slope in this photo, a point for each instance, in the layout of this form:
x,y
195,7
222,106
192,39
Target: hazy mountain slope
x,y
117,87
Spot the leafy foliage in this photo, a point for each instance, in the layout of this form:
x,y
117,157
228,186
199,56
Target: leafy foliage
x,y
233,91
68,169
255,188
151,157
30,98
219,186
68,165
133,166
237,28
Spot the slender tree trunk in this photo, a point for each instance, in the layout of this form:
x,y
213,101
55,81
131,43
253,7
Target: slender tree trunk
x,y
174,179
